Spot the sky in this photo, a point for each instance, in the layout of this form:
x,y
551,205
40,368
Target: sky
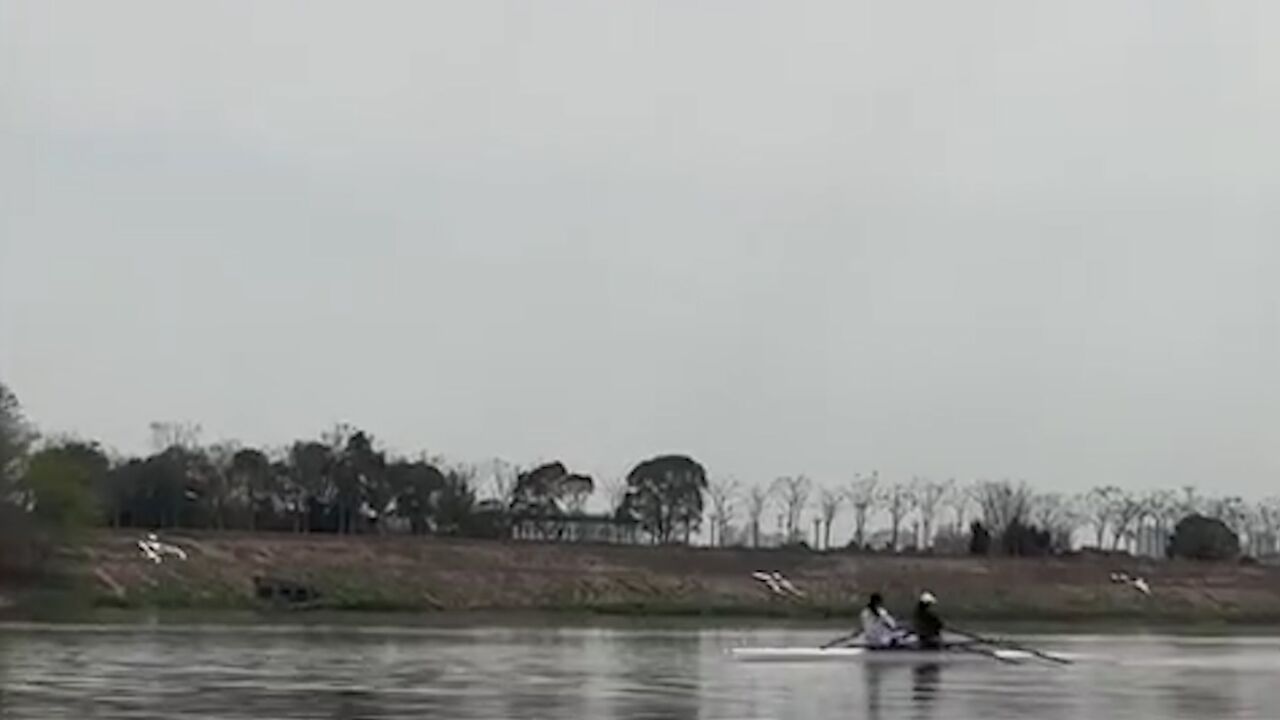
x,y
976,240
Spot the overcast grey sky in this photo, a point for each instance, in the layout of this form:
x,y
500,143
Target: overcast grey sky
x,y
1023,239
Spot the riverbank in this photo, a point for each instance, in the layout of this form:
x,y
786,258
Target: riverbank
x,y
257,572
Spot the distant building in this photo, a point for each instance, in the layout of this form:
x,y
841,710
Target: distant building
x,y
584,528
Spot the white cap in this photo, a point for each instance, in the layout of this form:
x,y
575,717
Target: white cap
x,y
927,598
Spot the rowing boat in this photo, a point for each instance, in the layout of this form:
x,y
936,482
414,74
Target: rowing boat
x,y
954,653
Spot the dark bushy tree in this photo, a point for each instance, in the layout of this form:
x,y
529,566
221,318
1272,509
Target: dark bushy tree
x,y
41,496
59,485
1197,537
1023,540
416,485
456,502
665,496
254,478
544,496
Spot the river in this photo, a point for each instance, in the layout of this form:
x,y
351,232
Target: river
x,y
341,672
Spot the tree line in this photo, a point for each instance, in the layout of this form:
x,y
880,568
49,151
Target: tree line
x,y
981,517
340,482
343,482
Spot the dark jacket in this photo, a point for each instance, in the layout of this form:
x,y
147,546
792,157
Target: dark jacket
x,y
928,626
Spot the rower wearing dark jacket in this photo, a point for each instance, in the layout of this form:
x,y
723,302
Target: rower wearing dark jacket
x,y
927,624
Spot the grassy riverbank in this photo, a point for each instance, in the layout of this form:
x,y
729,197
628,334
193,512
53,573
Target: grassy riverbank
x,y
228,571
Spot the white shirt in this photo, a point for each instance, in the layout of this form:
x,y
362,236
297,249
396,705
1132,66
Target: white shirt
x,y
878,627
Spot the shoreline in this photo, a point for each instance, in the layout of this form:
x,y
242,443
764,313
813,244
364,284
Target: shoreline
x,y
295,576
198,621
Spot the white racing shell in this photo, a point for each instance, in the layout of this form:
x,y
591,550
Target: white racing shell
x,y
860,654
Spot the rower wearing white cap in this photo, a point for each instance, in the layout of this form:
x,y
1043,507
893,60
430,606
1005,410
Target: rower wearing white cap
x,y
926,623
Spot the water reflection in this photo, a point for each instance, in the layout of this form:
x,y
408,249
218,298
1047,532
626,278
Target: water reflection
x,y
885,687
654,682
925,683
355,705
1204,693
594,673
873,676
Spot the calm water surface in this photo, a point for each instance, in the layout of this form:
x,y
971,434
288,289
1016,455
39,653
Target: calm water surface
x,y
94,671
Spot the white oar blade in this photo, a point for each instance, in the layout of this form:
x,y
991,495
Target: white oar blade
x,y
1012,655
1024,655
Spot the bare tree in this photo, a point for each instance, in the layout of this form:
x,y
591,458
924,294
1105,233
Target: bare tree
x,y
1171,510
1100,505
215,475
758,497
1127,508
1057,515
1230,510
899,500
337,436
959,499
1045,508
1268,516
829,503
165,435
794,491
722,491
1003,504
929,495
1152,523
615,490
502,481
863,498
1254,529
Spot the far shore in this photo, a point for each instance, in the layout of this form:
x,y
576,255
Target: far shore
x,y
360,621
270,577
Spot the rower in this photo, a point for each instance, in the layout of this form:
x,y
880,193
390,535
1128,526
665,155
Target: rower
x,y
879,629
927,624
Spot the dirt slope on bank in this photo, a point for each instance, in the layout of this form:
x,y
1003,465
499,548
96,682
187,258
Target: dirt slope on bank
x,y
227,570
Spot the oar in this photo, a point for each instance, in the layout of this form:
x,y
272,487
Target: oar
x,y
993,654
1012,646
839,640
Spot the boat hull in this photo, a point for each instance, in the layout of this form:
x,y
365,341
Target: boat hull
x,y
865,655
